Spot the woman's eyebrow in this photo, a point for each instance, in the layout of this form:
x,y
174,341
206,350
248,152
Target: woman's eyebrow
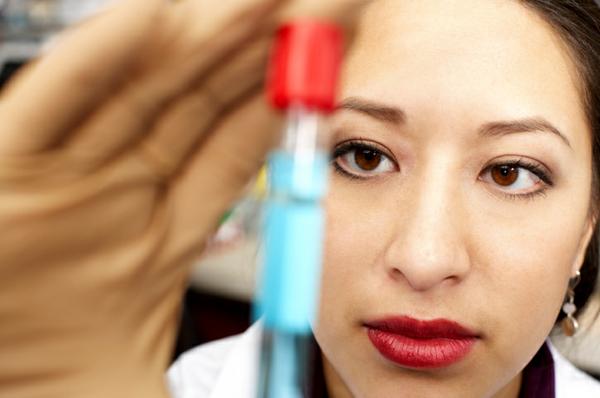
x,y
395,115
527,125
384,113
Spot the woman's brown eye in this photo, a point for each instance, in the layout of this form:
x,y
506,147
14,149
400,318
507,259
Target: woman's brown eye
x,y
367,159
505,175
359,160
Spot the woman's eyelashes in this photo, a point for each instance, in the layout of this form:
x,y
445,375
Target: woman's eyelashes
x,y
362,159
519,178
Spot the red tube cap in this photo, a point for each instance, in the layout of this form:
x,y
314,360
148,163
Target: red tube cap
x,y
304,66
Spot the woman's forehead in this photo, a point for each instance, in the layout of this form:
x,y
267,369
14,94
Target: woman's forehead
x,y
487,59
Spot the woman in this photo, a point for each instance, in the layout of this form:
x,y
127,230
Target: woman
x,y
464,166
463,198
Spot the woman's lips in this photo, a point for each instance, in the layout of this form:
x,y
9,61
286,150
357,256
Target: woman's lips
x,y
421,344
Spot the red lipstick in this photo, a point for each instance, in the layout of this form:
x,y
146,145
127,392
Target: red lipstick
x,y
421,344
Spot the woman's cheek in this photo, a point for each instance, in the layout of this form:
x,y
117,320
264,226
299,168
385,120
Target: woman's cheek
x,y
358,226
358,223
353,237
523,266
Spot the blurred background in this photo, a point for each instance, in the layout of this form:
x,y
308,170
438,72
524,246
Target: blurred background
x,y
221,287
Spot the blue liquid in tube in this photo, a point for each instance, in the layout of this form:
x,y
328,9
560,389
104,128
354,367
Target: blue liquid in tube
x,y
293,238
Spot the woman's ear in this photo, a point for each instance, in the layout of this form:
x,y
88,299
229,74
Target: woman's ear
x,y
587,233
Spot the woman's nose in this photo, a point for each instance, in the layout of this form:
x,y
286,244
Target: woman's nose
x,y
428,246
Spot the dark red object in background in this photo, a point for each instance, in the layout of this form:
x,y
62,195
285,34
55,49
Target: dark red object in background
x,y
207,317
304,65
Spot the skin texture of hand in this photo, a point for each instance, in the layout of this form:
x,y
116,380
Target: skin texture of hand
x,y
119,151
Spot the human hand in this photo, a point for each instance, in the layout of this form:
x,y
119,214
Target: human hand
x,y
119,151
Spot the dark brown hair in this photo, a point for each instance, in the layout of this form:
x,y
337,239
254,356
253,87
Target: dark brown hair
x,y
578,23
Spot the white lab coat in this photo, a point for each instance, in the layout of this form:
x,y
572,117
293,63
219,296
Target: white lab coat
x,y
228,369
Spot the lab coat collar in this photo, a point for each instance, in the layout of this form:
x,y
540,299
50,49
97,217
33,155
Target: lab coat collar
x,y
240,365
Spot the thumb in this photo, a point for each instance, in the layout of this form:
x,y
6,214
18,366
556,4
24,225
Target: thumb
x,y
232,153
219,170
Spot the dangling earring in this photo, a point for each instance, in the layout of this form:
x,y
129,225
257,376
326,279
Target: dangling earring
x,y
569,323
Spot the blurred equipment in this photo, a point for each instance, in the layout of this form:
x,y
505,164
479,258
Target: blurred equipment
x,y
27,25
37,20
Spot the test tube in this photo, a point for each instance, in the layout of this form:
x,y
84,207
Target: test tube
x,y
302,82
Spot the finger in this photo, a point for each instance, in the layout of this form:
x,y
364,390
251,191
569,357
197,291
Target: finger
x,y
177,78
220,168
217,173
178,133
343,12
60,89
186,123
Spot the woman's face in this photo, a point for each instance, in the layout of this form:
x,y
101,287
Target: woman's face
x,y
460,192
